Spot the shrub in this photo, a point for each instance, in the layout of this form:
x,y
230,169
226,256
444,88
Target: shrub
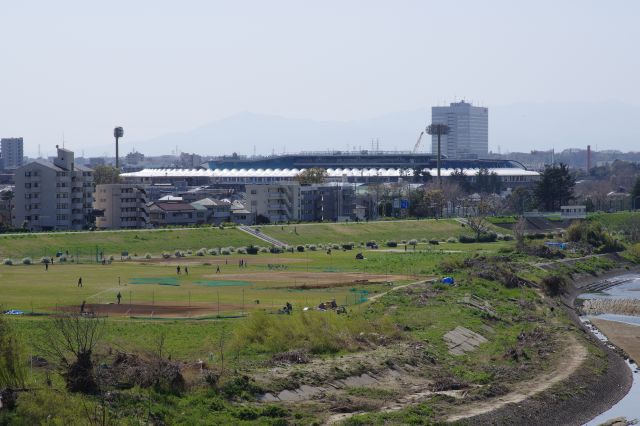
x,y
392,243
313,247
252,249
241,250
404,241
335,246
45,260
62,258
26,261
178,253
201,252
413,242
231,249
166,255
451,264
434,242
488,237
264,250
553,285
275,250
348,246
7,261
424,240
111,258
147,256
300,248
225,252
507,237
466,239
452,240
212,251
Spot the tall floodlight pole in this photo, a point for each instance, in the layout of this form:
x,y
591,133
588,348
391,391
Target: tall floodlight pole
x,y
439,130
118,132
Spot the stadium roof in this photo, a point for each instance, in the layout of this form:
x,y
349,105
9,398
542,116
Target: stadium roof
x,y
331,173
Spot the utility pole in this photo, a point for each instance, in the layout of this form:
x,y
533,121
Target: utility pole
x,y
439,130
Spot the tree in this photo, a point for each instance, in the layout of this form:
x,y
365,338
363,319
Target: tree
x,y
311,176
460,177
71,339
555,187
434,202
106,175
13,372
519,200
421,175
478,222
635,194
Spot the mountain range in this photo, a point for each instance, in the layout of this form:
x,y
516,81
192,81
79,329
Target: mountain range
x,y
518,127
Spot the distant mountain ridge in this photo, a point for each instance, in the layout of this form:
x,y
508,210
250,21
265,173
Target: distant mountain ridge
x,y
518,127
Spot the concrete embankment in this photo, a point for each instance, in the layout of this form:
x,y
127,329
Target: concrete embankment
x,y
611,306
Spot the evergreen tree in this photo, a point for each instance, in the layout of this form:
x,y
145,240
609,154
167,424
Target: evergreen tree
x,y
555,187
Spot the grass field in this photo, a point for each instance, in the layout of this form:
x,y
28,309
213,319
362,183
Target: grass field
x,y
619,221
84,244
320,233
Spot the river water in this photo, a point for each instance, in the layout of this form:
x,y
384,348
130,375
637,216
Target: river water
x,y
629,406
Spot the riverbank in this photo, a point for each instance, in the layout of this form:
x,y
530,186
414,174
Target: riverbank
x,y
624,336
602,381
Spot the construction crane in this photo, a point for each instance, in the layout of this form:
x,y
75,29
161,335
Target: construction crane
x,y
417,145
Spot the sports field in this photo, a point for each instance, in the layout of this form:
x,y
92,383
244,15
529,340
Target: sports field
x,y
322,233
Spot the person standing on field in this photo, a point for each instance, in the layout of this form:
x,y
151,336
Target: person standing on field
x,y
178,269
80,282
119,296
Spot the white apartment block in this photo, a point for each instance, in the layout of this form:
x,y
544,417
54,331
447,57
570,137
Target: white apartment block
x,y
12,153
53,196
279,202
121,206
468,135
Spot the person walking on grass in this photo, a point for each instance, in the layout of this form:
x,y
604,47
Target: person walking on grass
x,y
217,269
46,266
118,296
186,270
80,282
178,269
82,307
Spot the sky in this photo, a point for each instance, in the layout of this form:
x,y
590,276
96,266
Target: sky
x,y
79,68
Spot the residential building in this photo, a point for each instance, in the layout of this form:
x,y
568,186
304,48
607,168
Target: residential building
x,y
54,195
468,135
121,206
173,213
327,202
240,214
12,153
218,211
277,202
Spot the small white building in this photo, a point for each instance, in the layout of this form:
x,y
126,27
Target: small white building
x,y
573,212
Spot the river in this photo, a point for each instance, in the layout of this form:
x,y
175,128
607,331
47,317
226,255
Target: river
x,y
628,406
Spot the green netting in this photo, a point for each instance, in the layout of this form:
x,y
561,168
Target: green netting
x,y
160,281
330,270
222,283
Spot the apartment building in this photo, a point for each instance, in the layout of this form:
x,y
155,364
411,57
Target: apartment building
x,y
12,153
277,202
327,202
121,206
52,196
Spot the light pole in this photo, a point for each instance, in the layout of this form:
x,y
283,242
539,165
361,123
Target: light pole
x,y
439,130
118,132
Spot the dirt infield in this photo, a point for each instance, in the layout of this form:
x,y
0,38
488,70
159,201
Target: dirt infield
x,y
221,260
137,309
293,279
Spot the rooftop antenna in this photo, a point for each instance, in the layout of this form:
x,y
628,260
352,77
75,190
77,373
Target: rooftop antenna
x,y
63,139
39,153
378,144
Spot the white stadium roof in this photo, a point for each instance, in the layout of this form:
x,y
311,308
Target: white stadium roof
x,y
290,173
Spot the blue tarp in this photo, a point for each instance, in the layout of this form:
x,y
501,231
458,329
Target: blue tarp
x,y
448,280
14,312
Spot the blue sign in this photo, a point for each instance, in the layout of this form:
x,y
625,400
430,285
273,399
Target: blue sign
x,y
404,204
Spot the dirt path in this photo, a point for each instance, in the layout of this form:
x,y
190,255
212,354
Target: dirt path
x,y
570,361
398,287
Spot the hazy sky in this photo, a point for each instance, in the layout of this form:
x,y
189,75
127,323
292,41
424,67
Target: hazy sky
x,y
158,66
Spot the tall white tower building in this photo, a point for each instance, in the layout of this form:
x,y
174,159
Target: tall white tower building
x,y
468,135
12,154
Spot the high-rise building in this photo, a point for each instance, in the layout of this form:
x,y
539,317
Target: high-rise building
x,y
51,196
12,152
468,135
